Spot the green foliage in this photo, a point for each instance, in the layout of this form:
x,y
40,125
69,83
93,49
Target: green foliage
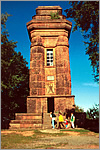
x,y
4,19
86,17
14,74
54,15
78,109
93,113
75,130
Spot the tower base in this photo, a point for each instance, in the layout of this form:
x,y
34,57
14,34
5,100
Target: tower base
x,y
51,103
38,111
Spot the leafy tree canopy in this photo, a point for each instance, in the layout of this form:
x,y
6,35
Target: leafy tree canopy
x,y
78,109
14,73
93,113
86,17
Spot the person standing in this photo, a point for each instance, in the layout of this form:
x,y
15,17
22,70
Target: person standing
x,y
72,120
61,120
53,117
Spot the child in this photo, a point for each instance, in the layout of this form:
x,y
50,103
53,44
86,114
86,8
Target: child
x,y
66,123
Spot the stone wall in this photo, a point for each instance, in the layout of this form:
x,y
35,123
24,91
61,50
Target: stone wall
x,y
63,103
37,75
36,105
63,66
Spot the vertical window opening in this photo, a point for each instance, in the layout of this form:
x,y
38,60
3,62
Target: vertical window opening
x,y
49,57
50,104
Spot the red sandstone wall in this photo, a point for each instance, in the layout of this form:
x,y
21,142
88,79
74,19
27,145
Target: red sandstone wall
x,y
37,75
63,103
63,77
36,105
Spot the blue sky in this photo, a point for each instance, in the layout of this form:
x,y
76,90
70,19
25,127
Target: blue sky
x,y
86,91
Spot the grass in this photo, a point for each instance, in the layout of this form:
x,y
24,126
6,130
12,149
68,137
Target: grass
x,y
11,141
38,139
81,131
75,130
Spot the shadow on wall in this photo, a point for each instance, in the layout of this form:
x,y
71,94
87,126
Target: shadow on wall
x,y
92,125
80,119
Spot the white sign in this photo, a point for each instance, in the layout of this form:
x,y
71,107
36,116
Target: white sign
x,y
50,78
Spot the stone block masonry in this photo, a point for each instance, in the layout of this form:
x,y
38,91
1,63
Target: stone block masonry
x,y
49,76
49,42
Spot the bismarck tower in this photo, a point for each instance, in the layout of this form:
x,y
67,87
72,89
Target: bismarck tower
x,y
50,78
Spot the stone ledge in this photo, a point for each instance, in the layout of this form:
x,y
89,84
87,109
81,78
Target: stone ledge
x,y
28,114
33,21
46,96
18,126
48,7
35,121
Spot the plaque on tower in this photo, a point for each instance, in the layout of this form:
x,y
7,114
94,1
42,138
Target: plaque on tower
x,y
50,78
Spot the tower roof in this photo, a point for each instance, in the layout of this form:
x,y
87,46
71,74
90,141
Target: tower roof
x,y
46,10
43,20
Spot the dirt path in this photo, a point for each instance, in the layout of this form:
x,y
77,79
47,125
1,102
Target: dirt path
x,y
30,133
24,133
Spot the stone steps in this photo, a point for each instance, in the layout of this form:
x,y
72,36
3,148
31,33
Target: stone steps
x,y
35,121
31,120
27,116
18,126
26,120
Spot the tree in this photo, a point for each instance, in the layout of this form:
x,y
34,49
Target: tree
x,y
14,74
86,17
93,113
78,109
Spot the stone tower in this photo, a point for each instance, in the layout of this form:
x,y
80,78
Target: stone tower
x,y
50,78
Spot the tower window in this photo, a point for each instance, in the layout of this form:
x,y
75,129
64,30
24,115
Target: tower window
x,y
49,57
